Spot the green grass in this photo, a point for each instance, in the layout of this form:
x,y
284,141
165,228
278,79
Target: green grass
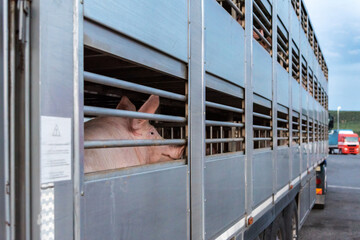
x,y
348,120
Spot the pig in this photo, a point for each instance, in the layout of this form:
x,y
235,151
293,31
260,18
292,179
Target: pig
x,y
116,128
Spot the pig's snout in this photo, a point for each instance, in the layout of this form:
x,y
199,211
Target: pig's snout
x,y
175,152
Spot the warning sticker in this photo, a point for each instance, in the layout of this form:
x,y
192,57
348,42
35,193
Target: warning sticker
x,y
55,149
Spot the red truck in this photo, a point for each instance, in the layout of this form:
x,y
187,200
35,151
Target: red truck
x,y
344,141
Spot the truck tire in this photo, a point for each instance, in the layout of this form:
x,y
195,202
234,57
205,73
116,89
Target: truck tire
x,y
291,221
278,230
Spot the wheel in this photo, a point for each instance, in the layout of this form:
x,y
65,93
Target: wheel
x,y
291,221
278,230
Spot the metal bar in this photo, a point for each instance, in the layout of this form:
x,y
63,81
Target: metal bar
x,y
257,127
262,14
98,111
262,139
221,136
113,82
261,36
224,124
282,42
283,120
262,25
282,50
283,138
223,107
131,143
282,129
255,114
285,62
223,140
237,10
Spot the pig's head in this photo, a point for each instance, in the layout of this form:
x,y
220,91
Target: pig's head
x,y
142,129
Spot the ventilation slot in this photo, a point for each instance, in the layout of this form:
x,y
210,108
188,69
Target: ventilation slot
x,y
316,131
263,24
283,46
311,36
316,94
304,127
113,90
283,127
224,123
295,128
296,6
316,47
295,63
262,126
311,130
304,73
236,8
311,82
304,19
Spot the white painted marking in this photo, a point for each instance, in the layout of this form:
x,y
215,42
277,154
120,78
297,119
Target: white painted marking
x,y
236,227
263,206
344,187
281,192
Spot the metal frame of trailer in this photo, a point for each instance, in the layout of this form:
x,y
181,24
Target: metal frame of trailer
x,y
253,116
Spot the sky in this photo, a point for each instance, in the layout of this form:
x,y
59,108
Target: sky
x,y
337,26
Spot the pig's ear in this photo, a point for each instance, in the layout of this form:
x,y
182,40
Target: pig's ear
x,y
126,104
151,105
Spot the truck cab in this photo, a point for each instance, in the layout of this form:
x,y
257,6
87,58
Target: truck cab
x,y
343,141
348,143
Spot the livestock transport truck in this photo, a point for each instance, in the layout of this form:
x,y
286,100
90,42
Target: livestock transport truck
x,y
242,85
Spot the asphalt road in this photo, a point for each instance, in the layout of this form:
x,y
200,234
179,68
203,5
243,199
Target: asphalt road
x,y
340,220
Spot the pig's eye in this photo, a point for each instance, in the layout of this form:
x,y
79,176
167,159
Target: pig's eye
x,y
152,133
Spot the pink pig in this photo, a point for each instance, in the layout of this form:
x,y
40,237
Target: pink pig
x,y
115,128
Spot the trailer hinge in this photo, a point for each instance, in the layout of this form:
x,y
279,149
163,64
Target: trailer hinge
x,y
23,7
7,188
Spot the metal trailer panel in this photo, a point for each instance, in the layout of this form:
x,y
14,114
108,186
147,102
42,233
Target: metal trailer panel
x,y
304,44
304,100
282,167
304,157
304,203
262,176
150,205
52,94
312,188
103,39
162,25
295,95
282,85
295,28
224,192
224,52
262,71
283,11
4,101
295,151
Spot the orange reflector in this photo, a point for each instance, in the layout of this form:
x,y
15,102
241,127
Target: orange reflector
x,y
291,187
250,221
319,191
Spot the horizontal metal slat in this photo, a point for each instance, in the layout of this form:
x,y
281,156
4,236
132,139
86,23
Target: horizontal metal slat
x,y
262,139
261,36
223,140
224,124
283,120
113,82
282,129
223,107
237,10
98,111
257,127
131,143
255,114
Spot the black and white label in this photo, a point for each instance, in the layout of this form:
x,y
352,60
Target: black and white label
x,y
55,149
